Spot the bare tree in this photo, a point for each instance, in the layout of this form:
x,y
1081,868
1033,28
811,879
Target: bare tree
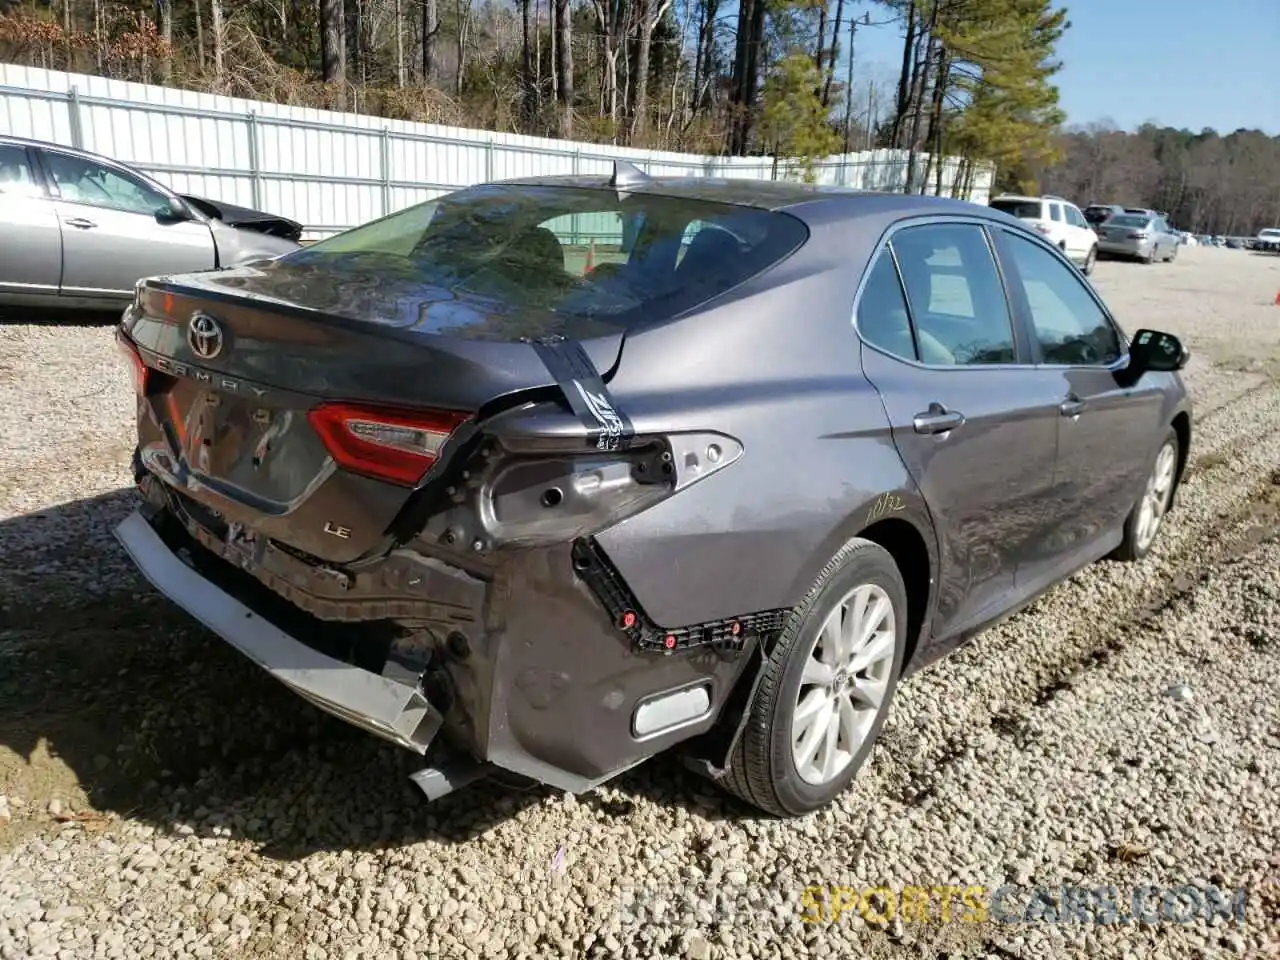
x,y
650,13
563,16
219,41
430,27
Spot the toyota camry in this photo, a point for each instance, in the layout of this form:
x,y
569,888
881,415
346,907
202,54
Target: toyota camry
x,y
544,477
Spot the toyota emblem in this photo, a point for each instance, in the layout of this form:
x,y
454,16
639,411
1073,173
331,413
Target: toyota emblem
x,y
204,336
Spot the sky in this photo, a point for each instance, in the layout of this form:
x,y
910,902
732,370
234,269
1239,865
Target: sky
x,y
1178,63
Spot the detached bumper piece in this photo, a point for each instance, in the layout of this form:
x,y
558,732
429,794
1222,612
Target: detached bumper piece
x,y
728,636
393,710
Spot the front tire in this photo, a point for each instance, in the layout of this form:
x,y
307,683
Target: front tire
x,y
826,688
1090,260
1147,516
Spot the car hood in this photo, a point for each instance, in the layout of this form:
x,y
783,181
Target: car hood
x,y
244,218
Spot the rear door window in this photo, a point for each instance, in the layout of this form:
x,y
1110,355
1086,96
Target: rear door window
x,y
1055,212
955,294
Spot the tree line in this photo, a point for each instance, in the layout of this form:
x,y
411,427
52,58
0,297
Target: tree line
x,y
736,77
975,79
1207,183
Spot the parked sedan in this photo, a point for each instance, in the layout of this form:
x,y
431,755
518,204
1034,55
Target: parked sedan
x,y
442,481
1267,240
1143,236
79,230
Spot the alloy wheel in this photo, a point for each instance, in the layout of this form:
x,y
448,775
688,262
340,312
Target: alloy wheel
x,y
843,685
1156,497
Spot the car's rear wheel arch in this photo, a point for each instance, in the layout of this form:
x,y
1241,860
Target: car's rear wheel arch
x,y
908,536
911,554
1182,427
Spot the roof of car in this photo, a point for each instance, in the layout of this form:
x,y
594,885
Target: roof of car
x,y
774,195
1019,196
50,145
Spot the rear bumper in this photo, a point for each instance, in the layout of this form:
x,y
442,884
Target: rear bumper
x,y
1125,248
547,687
395,711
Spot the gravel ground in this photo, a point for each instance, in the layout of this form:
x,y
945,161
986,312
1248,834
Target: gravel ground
x,y
161,798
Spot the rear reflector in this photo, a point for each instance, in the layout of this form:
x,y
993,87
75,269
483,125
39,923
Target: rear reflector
x,y
136,367
398,446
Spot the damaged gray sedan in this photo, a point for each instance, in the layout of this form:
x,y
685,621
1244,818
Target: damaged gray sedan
x,y
78,230
550,476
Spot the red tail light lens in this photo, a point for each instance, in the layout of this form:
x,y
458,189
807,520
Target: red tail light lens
x,y
397,446
136,366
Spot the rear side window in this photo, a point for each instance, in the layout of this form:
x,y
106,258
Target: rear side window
x,y
1022,209
515,260
955,294
883,319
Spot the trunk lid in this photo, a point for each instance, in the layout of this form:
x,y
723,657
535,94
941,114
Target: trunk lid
x,y
239,358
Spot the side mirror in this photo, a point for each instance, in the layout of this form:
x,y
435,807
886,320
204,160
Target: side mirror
x,y
175,211
1153,350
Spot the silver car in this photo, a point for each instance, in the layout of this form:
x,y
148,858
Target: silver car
x,y
79,230
1144,236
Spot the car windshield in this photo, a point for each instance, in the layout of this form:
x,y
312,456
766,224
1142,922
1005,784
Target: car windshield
x,y
1128,220
546,255
1097,214
1022,209
1269,234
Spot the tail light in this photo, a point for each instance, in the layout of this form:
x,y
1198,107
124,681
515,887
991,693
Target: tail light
x,y
1042,228
397,446
136,367
529,501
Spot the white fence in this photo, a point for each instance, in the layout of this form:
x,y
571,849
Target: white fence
x,y
333,170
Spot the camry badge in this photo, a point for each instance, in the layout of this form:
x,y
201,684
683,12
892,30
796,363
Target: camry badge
x,y
204,336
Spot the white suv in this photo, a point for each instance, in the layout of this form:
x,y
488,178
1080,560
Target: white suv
x,y
1059,220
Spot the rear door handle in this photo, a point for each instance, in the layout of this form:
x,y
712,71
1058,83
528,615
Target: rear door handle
x,y
937,419
80,222
1072,406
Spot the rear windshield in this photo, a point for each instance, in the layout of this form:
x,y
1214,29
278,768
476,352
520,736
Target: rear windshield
x,y
1128,220
506,261
1269,233
1098,214
1022,209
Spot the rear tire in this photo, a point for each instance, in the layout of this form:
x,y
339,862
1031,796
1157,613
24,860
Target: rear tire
x,y
1147,516
824,697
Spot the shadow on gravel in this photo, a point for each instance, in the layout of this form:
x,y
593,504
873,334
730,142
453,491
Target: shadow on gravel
x,y
109,689
58,316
